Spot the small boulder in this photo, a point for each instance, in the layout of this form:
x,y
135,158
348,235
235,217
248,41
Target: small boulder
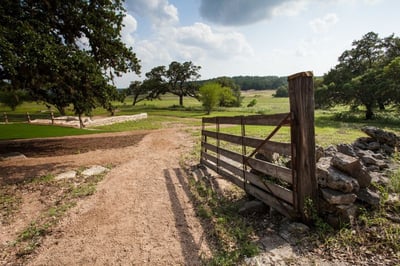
x,y
12,156
329,176
346,149
374,146
335,197
319,153
381,136
330,151
66,175
368,196
254,206
94,170
353,167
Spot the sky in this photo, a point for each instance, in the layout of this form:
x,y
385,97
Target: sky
x,y
251,37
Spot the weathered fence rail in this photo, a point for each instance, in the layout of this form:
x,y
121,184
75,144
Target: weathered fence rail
x,y
283,187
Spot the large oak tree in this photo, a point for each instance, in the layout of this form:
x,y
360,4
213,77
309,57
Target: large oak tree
x,y
64,52
358,78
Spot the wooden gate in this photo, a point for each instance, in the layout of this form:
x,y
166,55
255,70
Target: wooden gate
x,y
243,159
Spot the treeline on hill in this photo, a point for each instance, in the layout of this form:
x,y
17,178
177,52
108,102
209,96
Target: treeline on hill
x,y
181,79
256,82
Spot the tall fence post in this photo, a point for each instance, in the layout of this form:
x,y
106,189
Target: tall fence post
x,y
301,93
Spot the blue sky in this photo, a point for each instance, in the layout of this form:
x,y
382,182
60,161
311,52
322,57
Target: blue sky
x,y
251,37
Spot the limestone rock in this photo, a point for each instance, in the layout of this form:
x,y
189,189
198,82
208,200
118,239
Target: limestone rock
x,y
387,149
353,167
346,149
94,170
66,175
368,197
336,197
381,136
319,153
374,146
328,176
254,206
12,156
330,151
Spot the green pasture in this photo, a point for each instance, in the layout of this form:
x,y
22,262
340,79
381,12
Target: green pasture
x,y
334,126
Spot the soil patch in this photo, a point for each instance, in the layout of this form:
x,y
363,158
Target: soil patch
x,y
141,213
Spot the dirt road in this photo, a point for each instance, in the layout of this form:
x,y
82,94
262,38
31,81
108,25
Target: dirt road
x,y
140,215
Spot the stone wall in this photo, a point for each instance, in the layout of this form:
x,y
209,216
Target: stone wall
x,y
345,173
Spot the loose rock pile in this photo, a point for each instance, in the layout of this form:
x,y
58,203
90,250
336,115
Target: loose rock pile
x,y
345,173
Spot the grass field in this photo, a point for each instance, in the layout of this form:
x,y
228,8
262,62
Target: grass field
x,y
331,127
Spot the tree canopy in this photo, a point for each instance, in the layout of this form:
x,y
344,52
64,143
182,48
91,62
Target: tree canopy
x,y
359,77
260,83
64,52
177,79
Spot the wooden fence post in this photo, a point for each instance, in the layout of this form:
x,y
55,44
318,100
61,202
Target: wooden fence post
x,y
52,117
301,93
28,117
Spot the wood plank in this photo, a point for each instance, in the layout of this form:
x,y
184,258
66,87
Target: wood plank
x,y
278,191
230,177
209,120
257,120
301,94
266,120
272,146
221,163
282,148
271,201
283,173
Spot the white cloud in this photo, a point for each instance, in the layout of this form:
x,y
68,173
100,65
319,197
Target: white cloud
x,y
321,25
219,43
290,8
127,33
160,12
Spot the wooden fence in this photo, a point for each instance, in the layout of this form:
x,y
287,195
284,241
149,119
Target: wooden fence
x,y
286,188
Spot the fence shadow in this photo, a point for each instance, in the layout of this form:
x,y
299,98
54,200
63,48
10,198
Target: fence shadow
x,y
191,249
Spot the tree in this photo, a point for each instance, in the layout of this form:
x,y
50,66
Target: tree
x,y
209,95
179,77
155,83
138,92
42,44
232,97
282,91
391,73
358,78
13,98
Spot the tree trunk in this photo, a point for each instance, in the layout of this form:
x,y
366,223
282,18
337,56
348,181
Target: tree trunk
x,y
61,110
135,100
181,100
369,114
81,125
